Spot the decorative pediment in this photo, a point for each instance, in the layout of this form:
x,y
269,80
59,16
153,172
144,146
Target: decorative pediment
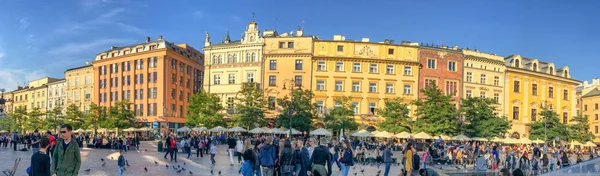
x,y
516,102
533,104
565,108
365,50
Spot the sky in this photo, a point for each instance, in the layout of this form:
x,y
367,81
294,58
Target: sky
x,y
40,38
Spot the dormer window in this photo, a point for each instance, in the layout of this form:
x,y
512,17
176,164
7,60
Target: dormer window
x,y
566,73
126,52
112,55
517,63
152,47
534,67
137,50
551,70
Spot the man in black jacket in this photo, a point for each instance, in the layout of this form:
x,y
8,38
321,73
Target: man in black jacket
x,y
320,157
231,143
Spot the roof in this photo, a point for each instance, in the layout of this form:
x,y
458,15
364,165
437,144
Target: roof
x,y
133,45
78,67
592,93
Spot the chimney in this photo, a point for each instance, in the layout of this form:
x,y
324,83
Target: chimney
x,y
388,41
585,83
467,48
596,81
476,50
455,47
113,47
87,63
338,37
364,39
147,39
444,47
299,32
160,37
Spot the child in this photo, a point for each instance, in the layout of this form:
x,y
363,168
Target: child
x,y
121,163
213,151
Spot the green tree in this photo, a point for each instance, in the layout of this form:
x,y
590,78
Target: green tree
x,y
56,118
340,117
436,113
250,102
480,120
579,129
34,119
95,118
204,110
74,117
548,127
120,115
396,116
302,110
15,121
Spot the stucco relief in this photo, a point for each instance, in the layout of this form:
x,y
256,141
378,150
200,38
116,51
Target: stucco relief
x,y
365,50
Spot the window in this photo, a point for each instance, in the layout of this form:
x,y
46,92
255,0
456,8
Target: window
x,y
298,80
389,69
298,64
231,78
235,59
516,87
230,103
188,70
250,77
290,44
550,92
217,79
533,89
596,129
173,63
596,108
355,108
339,86
281,44
140,64
340,48
356,67
253,57
229,58
496,81
152,62
431,63
372,108
496,97
429,82
273,65
77,80
152,93
126,94
515,113
407,89
355,86
389,88
320,107
139,110
321,66
173,109
126,66
565,117
533,115
173,93
469,77
451,87
320,85
469,94
139,94
565,95
451,66
339,66
173,78
407,70
373,87
181,67
271,104
483,79
517,63
180,95
482,94
247,57
373,68
272,80
87,95
153,77
596,117
585,107
152,109
390,51
88,80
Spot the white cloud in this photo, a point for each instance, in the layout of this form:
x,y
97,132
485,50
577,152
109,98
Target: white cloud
x,y
235,17
93,3
198,14
71,49
96,23
131,28
11,78
24,23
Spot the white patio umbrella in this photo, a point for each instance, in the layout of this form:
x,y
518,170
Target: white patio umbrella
x,y
257,130
479,139
422,135
143,129
3,131
287,131
320,132
272,131
361,133
79,130
403,134
444,137
218,129
524,141
589,144
237,130
510,141
497,139
199,129
129,129
184,129
461,138
385,134
538,141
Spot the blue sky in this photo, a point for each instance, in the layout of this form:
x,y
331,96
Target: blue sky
x,y
44,38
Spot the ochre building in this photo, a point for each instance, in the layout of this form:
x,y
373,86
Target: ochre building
x,y
484,77
80,87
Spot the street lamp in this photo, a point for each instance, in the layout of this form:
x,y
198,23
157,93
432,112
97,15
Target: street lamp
x,y
292,83
2,101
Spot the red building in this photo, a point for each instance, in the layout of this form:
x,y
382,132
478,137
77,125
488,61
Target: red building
x,y
442,66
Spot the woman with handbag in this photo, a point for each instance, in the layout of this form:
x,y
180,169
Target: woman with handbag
x,y
346,158
287,159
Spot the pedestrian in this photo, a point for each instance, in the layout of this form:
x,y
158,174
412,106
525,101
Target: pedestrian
x,y
14,139
230,151
347,157
121,163
408,159
335,150
40,162
213,152
387,158
52,143
303,161
188,146
320,157
66,158
267,157
249,159
287,158
239,146
35,139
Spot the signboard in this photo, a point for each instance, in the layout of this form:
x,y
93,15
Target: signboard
x,y
155,125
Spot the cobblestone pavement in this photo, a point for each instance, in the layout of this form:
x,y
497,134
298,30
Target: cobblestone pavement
x,y
140,159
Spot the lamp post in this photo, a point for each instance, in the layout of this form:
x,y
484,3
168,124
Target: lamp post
x,y
292,83
2,101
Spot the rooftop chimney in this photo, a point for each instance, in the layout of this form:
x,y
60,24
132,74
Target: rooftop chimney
x,y
476,50
299,32
147,39
364,39
338,37
585,83
444,47
596,81
160,37
455,47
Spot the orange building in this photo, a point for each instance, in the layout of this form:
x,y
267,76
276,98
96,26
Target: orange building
x,y
158,77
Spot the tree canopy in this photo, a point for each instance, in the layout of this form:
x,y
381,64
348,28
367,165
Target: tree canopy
x,y
250,103
480,120
204,110
95,118
435,113
302,110
579,129
396,116
340,117
548,127
120,115
74,117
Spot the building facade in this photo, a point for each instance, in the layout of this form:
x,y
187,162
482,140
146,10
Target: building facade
x,y
590,103
231,63
531,86
366,72
484,77
8,103
56,95
583,89
443,67
287,62
79,87
158,77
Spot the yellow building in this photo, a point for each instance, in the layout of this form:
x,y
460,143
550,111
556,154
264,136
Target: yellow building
x,y
367,72
287,57
230,63
483,76
34,95
79,87
591,102
531,86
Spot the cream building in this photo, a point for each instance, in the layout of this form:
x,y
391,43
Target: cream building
x,y
79,87
230,63
483,76
56,95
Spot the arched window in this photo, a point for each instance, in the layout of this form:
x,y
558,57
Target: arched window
x,y
235,58
253,57
551,70
251,38
214,60
220,59
534,67
229,59
517,63
247,57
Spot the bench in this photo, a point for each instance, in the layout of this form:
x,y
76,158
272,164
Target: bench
x,y
14,169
